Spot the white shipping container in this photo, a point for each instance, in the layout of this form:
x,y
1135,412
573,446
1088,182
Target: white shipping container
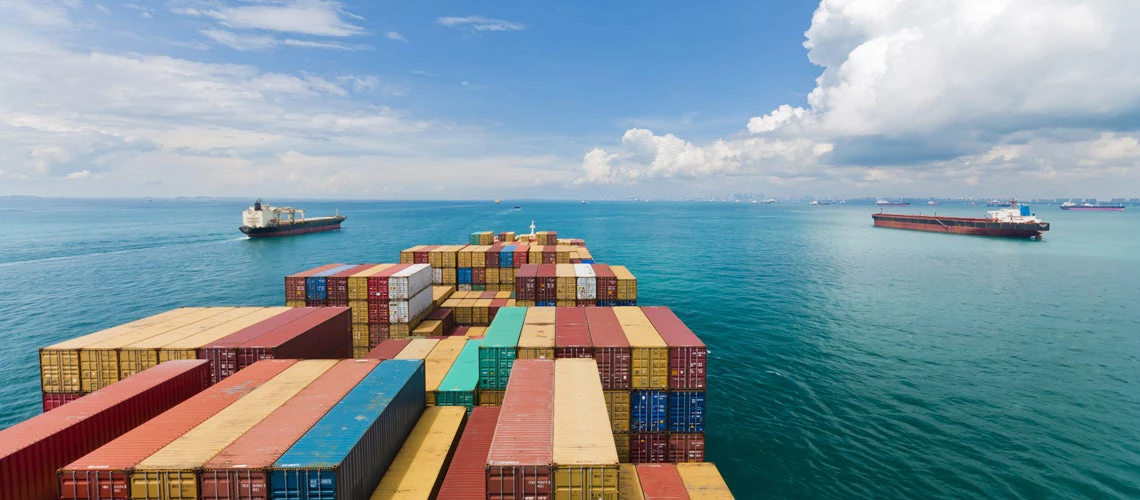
x,y
587,282
402,311
408,282
463,288
436,276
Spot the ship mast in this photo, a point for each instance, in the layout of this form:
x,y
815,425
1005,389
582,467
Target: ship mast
x,y
532,228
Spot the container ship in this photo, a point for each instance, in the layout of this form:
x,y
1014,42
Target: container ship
x,y
1068,205
509,367
886,203
1014,222
261,221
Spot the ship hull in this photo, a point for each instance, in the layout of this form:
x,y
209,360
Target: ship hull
x,y
308,226
1096,209
961,225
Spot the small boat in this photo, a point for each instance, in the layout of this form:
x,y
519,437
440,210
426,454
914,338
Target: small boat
x,y
518,207
933,203
497,201
817,202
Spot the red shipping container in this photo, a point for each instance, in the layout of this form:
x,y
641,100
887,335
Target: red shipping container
x,y
241,470
487,295
321,335
378,311
378,285
316,303
222,354
31,451
459,331
606,282
492,256
479,276
378,334
338,285
549,256
494,308
661,482
520,258
388,349
686,448
421,256
102,474
688,356
547,283
52,401
649,447
587,303
571,334
466,477
611,348
446,317
519,462
526,282
295,283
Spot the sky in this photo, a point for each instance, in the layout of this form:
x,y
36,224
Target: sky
x,y
517,99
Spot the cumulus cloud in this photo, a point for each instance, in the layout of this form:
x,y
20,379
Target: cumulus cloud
x,y
480,23
911,85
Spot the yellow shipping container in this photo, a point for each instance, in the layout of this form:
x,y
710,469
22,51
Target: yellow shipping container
x,y
566,303
585,455
524,303
429,328
294,303
566,282
534,256
626,283
617,405
490,398
464,314
479,255
449,276
492,276
417,349
408,256
358,283
476,331
537,338
59,363
360,352
507,276
480,312
703,481
404,330
503,295
463,257
138,356
189,347
438,362
360,336
649,355
629,486
441,293
359,311
621,441
99,361
170,473
417,471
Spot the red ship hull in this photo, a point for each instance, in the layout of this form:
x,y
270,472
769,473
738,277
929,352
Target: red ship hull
x,y
961,225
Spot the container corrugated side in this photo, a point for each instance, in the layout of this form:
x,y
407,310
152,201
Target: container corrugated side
x,y
648,447
649,355
572,333
536,341
102,474
686,448
325,334
626,283
607,284
703,482
358,282
409,282
585,457
438,362
142,354
171,473
648,411
519,462
417,349
295,283
191,347
347,451
417,470
31,451
59,363
222,353
498,350
587,286
338,284
661,482
459,387
405,311
629,486
241,470
466,476
688,356
611,348
617,404
686,411
388,349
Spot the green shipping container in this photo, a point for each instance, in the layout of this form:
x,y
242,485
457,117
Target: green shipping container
x,y
474,239
497,353
458,387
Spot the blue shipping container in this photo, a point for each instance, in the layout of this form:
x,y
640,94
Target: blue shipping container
x,y
546,303
316,286
687,411
647,411
627,302
607,303
587,261
346,453
464,275
507,256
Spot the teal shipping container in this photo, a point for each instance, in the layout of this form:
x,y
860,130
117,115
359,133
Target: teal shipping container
x,y
459,386
497,353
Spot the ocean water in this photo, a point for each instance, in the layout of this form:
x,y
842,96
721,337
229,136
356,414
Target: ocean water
x,y
847,361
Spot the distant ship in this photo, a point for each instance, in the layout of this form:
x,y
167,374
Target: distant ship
x,y
766,201
1068,205
885,203
933,203
997,203
260,221
817,202
1012,222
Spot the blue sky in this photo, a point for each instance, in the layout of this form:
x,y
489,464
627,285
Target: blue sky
x,y
573,100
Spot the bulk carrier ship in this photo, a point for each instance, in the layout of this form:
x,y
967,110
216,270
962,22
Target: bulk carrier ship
x,y
260,221
1014,222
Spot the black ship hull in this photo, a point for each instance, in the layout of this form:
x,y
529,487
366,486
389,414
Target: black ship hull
x,y
305,227
962,225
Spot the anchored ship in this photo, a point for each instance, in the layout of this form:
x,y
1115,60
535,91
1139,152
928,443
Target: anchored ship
x,y
1013,222
261,221
885,203
1068,205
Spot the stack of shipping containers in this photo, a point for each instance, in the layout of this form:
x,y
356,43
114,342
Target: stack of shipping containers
x,y
585,459
438,362
497,354
575,285
460,386
417,470
520,461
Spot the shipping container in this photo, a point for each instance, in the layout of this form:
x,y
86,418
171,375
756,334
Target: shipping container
x,y
191,347
536,341
295,283
417,349
417,470
171,472
388,349
566,282
648,447
241,470
52,401
441,293
358,282
102,474
316,285
587,287
648,411
338,284
423,255
438,362
324,334
703,482
686,448
526,282
661,482
466,476
498,350
459,387
407,311
347,451
617,403
408,255
547,283
688,356
31,451
649,356
629,487
622,442
519,462
379,283
611,348
585,457
686,411
626,283
409,282
222,353
572,334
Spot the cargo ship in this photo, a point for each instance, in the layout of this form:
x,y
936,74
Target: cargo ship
x,y
260,221
885,203
1068,205
1014,222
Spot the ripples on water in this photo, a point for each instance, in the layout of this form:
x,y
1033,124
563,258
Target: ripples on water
x,y
847,361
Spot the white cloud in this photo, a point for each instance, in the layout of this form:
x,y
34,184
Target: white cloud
x,y
309,17
260,42
479,23
82,174
392,35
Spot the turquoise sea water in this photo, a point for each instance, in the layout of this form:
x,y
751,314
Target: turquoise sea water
x,y
846,360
